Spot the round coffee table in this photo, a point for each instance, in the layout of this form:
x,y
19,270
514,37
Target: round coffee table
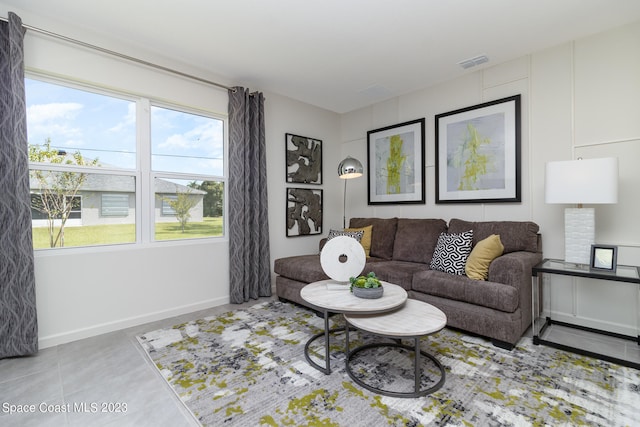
x,y
414,320
329,296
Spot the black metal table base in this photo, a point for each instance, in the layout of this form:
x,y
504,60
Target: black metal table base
x,y
417,392
327,368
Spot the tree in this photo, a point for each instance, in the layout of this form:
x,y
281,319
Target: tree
x,y
58,190
182,205
213,200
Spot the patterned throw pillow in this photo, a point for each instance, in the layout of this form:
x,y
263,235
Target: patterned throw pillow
x,y
355,234
451,253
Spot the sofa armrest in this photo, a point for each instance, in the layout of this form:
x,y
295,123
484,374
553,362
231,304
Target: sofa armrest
x,y
514,269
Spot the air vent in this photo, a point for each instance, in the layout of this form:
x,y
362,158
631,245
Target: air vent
x,y
472,62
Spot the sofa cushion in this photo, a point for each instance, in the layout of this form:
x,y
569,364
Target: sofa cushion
x,y
514,235
397,272
416,239
481,255
487,294
303,268
366,238
451,252
383,234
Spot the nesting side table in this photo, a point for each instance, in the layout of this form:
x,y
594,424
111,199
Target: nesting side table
x,y
414,320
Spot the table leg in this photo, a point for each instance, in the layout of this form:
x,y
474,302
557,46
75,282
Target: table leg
x,y
326,334
418,372
327,348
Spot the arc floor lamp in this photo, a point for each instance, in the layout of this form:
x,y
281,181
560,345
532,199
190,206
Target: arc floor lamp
x,y
347,169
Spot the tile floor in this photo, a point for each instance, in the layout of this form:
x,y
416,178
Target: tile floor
x,y
109,369
113,369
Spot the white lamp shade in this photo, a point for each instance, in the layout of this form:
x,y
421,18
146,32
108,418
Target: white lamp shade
x,y
589,181
350,168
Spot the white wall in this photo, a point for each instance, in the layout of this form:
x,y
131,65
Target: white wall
x,y
283,115
578,99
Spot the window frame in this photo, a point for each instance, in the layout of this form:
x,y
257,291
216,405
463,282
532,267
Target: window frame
x,y
143,174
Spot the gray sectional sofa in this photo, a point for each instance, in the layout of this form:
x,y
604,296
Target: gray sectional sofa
x,y
499,308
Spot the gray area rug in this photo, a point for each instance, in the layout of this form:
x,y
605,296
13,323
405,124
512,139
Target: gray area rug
x,y
247,368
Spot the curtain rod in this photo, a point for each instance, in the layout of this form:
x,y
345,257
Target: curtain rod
x,y
120,55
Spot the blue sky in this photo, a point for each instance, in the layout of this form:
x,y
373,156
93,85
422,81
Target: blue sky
x,y
104,127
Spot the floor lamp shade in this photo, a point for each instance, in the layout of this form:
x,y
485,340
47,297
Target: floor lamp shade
x,y
350,168
347,169
588,181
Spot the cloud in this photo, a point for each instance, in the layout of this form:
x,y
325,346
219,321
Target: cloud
x,y
205,137
42,113
128,120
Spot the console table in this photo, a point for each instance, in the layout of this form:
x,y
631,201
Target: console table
x,y
623,273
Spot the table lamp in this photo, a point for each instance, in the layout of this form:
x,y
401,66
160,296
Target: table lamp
x,y
347,169
588,181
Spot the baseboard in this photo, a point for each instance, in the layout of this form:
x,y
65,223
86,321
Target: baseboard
x,y
78,334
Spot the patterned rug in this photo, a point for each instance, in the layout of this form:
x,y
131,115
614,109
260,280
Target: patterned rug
x,y
247,368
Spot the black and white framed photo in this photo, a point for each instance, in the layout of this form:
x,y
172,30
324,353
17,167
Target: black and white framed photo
x,y
304,159
478,153
396,163
304,212
604,258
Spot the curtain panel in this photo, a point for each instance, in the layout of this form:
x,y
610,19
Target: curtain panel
x,y
249,258
18,320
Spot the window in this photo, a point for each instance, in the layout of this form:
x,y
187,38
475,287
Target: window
x,y
114,204
87,157
187,158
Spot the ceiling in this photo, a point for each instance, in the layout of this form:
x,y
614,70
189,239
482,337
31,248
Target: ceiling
x,y
336,54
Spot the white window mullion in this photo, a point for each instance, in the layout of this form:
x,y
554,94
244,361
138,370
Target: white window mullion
x,y
145,181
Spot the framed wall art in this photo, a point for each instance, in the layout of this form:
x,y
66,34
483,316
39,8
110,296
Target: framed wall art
x,y
396,163
304,212
478,153
304,159
604,258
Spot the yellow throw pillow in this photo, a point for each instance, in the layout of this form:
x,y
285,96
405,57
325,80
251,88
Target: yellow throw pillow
x,y
366,237
481,255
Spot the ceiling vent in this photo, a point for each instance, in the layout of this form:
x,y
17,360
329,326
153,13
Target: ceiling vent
x,y
472,62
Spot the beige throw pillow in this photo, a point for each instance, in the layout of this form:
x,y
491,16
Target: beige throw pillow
x,y
366,237
481,255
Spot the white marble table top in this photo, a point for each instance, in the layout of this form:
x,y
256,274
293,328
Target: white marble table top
x,y
336,297
414,319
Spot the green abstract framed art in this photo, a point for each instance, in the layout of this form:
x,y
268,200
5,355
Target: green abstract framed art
x,y
396,163
478,153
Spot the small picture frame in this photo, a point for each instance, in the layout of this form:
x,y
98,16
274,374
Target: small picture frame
x,y
604,258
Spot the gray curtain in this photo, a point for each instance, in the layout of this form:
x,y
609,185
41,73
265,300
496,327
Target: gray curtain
x,y
18,321
250,265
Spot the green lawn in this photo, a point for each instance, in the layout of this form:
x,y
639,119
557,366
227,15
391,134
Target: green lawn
x,y
126,233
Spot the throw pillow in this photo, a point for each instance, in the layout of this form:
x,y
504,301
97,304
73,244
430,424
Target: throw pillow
x,y
355,234
481,256
366,237
451,253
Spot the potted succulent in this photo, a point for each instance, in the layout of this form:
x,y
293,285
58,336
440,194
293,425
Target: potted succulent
x,y
368,286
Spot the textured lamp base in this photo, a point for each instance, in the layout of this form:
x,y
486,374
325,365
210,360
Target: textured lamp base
x,y
579,234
